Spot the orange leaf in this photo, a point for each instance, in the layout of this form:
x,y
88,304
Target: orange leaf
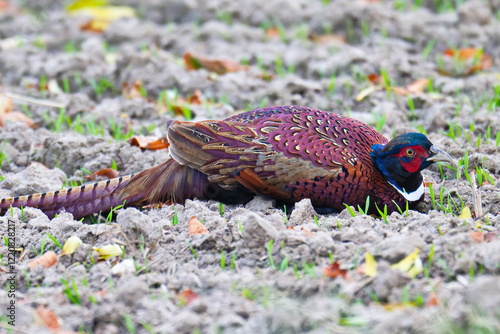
x,y
94,26
100,292
307,232
133,91
187,296
195,98
334,270
149,142
400,90
6,105
196,227
4,5
49,318
328,38
47,260
463,54
374,79
108,173
272,32
159,144
361,269
212,65
480,60
477,236
433,300
16,116
417,86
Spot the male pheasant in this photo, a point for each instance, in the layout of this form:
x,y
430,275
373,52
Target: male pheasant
x,y
287,153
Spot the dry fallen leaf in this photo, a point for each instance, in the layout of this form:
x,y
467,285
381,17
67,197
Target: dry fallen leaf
x,y
108,173
432,300
467,61
370,265
195,98
16,116
6,105
328,38
108,251
187,296
412,264
196,227
376,84
477,236
307,232
490,236
272,32
71,245
397,306
4,5
219,66
100,13
366,92
133,91
149,142
46,260
466,213
48,318
374,79
417,86
334,270
480,236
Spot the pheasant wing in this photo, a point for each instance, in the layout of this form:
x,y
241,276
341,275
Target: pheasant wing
x,y
286,152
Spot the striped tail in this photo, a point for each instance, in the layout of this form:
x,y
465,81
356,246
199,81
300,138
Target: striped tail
x,y
167,182
80,201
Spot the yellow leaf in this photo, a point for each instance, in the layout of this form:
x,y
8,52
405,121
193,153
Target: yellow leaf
x,y
78,4
466,214
367,91
71,245
370,265
106,13
108,251
398,306
101,14
417,268
405,264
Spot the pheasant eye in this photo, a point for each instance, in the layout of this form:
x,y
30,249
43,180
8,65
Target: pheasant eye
x,y
410,152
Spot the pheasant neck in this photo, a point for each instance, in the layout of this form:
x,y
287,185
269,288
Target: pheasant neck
x,y
411,188
411,196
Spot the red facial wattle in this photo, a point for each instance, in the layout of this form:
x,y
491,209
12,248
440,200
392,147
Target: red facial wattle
x,y
412,163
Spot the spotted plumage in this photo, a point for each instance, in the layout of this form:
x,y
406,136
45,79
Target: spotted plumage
x,y
287,153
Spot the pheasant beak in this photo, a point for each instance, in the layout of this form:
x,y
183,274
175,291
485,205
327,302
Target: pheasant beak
x,y
439,155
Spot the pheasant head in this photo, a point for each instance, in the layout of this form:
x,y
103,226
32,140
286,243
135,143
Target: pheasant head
x,y
403,158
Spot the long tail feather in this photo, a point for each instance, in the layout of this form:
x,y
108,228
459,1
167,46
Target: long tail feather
x,y
80,201
167,182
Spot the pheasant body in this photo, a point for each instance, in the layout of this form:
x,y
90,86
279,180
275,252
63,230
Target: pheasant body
x,y
288,153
